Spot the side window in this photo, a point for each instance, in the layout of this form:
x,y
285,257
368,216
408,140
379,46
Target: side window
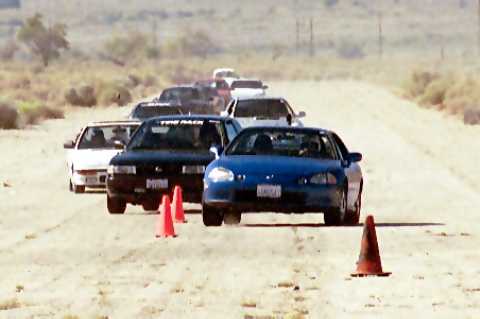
x,y
341,146
231,131
329,150
230,107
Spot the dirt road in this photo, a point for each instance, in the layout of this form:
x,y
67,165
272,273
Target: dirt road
x,y
62,254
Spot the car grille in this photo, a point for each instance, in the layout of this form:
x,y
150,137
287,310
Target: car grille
x,y
153,170
250,196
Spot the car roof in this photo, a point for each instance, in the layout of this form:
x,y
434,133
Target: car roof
x,y
189,117
224,70
260,98
286,128
181,86
111,123
156,104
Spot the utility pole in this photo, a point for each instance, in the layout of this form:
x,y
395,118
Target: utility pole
x,y
478,29
297,35
380,35
312,47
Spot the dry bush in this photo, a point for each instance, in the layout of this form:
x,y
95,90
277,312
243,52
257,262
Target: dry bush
x,y
349,50
8,50
35,115
111,93
417,83
83,96
436,91
10,304
192,44
122,49
471,116
8,116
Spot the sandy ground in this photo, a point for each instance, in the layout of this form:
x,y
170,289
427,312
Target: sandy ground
x,y
62,255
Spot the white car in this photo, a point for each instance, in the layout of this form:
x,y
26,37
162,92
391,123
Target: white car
x,y
247,88
89,154
227,74
263,111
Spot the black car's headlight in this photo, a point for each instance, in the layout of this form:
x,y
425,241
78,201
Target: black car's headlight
x,y
122,169
323,179
221,174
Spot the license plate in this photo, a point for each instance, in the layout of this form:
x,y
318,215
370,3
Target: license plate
x,y
91,180
193,169
157,183
269,191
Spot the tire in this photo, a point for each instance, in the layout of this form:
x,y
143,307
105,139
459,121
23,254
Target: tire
x,y
78,189
232,217
151,204
211,216
353,217
116,206
336,216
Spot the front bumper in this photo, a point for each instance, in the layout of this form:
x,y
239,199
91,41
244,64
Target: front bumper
x,y
92,179
133,188
294,199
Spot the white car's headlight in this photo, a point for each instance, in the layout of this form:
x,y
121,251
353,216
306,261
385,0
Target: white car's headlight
x,y
323,179
121,169
220,174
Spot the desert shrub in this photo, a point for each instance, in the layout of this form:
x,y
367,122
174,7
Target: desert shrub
x,y
112,93
330,3
8,50
435,92
122,49
35,115
83,96
8,115
197,43
471,116
417,82
349,50
42,41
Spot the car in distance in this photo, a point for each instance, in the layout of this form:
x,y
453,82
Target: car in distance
x,y
145,110
90,152
263,111
284,169
191,99
227,74
247,88
165,152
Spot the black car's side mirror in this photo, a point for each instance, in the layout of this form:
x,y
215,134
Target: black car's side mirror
x,y
265,87
354,157
118,145
289,119
69,144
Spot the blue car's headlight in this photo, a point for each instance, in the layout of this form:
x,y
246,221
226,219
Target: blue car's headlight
x,y
323,179
220,174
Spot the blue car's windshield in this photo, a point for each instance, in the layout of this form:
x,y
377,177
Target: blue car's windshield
x,y
275,142
178,136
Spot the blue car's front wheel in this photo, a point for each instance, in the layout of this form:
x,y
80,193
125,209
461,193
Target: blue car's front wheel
x,y
211,216
336,216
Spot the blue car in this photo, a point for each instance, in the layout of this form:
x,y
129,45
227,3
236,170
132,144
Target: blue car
x,y
285,170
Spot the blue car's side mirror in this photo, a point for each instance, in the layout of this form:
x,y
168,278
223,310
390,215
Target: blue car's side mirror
x,y
217,150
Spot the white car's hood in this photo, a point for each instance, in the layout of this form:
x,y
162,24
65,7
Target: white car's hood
x,y
240,93
252,121
91,159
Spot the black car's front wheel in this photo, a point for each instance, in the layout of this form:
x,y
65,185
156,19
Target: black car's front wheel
x,y
336,216
115,205
211,216
151,204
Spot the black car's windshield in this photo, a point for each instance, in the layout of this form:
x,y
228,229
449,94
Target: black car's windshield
x,y
179,94
277,142
104,137
261,108
144,111
248,84
178,136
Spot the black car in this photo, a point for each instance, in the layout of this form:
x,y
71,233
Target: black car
x,y
192,99
164,152
146,110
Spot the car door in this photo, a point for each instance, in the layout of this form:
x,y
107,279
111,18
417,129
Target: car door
x,y
352,171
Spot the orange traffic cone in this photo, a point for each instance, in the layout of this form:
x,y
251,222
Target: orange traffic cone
x,y
164,224
177,205
369,263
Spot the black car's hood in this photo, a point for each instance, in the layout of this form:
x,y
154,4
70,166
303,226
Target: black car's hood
x,y
161,157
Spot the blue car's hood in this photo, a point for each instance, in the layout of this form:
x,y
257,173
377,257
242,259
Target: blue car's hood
x,y
255,164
